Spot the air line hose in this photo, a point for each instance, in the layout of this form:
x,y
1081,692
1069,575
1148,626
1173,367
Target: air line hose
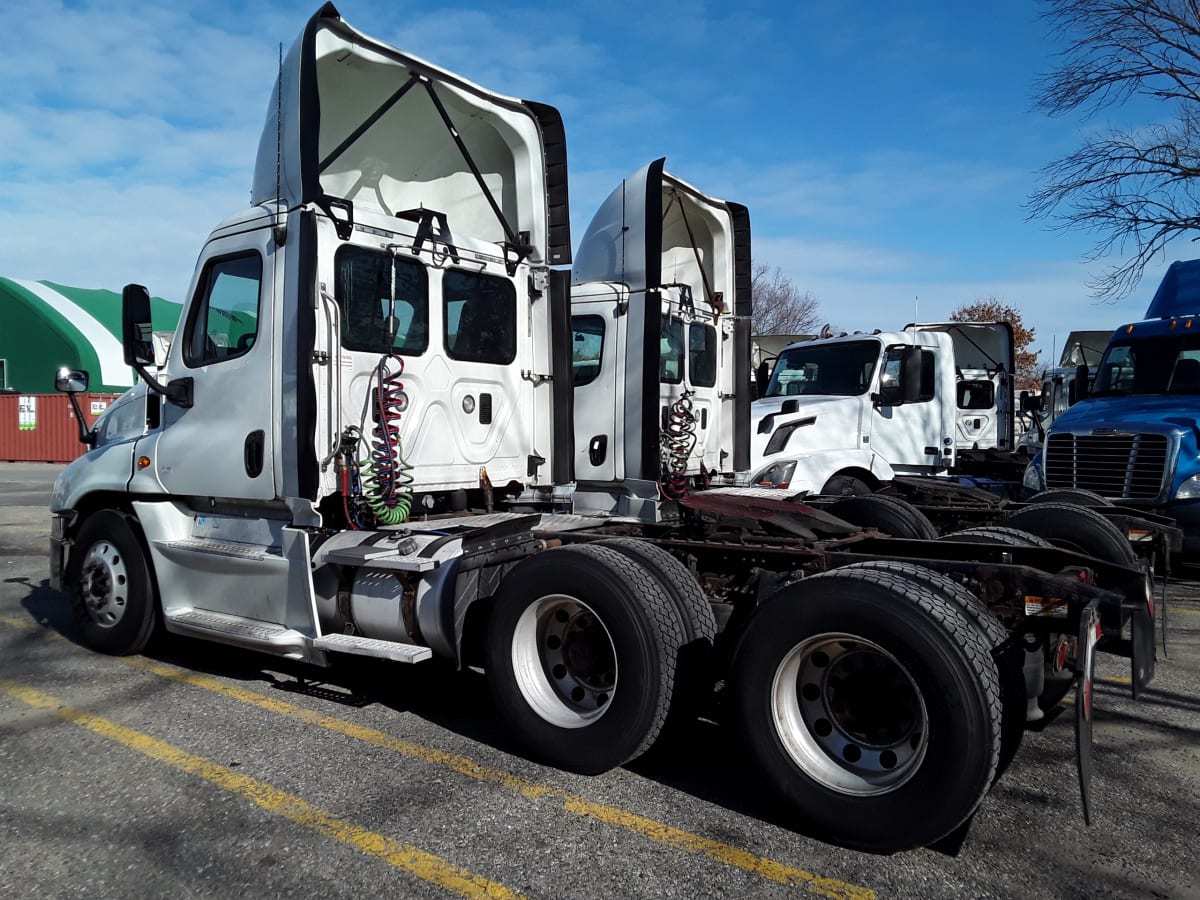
x,y
387,484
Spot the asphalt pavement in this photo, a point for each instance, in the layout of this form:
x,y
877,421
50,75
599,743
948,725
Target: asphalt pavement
x,y
198,770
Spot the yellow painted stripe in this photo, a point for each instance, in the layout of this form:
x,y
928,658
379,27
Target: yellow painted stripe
x,y
1187,611
424,865
1116,679
649,828
659,832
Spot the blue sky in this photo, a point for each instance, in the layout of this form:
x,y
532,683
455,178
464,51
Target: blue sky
x,y
884,150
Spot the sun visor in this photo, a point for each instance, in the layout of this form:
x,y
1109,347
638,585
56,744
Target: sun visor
x,y
356,124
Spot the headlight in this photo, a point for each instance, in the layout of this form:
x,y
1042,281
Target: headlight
x,y
1032,478
777,475
1189,490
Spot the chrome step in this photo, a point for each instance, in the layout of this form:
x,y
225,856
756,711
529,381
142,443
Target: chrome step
x,y
238,630
365,646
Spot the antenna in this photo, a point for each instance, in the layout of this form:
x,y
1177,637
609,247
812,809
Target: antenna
x,y
916,307
279,123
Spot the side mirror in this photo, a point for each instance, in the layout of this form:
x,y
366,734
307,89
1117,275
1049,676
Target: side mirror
x,y
137,326
137,332
71,381
1081,382
1030,403
910,374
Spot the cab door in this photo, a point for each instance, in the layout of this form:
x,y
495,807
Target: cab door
x,y
224,444
912,433
597,372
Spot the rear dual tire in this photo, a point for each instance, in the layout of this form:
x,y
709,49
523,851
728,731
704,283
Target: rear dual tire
x,y
581,657
871,704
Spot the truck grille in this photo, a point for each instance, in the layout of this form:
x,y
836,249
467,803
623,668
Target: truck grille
x,y
1124,466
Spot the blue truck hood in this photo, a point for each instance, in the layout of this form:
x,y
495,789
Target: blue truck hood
x,y
1149,412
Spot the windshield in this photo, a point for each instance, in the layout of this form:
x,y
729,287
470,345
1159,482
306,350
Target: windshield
x,y
843,370
1156,365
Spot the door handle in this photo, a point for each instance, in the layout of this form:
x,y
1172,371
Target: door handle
x,y
598,449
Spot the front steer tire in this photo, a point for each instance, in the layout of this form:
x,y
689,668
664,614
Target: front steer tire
x,y
111,586
581,657
871,705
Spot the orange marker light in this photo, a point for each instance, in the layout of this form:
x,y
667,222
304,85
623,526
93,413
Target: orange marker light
x,y
143,461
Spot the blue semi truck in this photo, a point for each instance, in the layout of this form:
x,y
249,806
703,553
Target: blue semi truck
x,y
1134,436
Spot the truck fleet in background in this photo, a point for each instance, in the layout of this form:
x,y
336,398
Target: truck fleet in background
x,y
391,423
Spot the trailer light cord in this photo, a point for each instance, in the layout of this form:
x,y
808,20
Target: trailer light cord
x,y
678,440
387,486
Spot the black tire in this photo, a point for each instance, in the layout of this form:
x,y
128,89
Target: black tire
x,y
694,672
891,515
1075,528
846,485
695,611
581,656
922,647
1074,496
111,586
997,534
1008,654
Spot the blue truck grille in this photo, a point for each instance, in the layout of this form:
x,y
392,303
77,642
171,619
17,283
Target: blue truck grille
x,y
1121,466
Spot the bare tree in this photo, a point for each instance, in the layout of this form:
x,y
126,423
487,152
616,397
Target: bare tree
x,y
991,309
779,306
1137,189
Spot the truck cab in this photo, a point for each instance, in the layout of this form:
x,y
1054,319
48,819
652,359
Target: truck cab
x,y
847,413
660,318
1133,437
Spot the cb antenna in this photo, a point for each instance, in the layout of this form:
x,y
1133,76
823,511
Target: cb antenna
x,y
279,124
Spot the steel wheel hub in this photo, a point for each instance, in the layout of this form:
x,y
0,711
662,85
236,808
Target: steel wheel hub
x,y
564,661
104,584
849,714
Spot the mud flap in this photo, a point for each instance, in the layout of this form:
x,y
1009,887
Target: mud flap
x,y
1141,633
1085,664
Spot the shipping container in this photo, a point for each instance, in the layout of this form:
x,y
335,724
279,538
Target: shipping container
x,y
43,428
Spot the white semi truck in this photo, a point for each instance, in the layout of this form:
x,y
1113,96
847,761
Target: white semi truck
x,y
385,427
847,414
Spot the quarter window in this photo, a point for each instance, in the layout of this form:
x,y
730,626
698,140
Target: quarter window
x,y
370,287
481,317
224,317
702,355
670,358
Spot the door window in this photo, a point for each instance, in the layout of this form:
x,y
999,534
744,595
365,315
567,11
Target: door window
x,y
224,318
480,316
587,348
371,285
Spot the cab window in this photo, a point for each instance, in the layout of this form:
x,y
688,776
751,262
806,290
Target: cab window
x,y
587,348
223,323
480,317
702,355
371,285
670,357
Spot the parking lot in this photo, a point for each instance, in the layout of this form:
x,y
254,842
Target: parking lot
x,y
200,770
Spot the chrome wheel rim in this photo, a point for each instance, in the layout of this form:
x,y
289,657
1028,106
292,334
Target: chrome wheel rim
x,y
849,714
564,661
104,584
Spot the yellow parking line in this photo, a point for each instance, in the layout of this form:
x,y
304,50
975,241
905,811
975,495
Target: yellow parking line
x,y
648,828
424,865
